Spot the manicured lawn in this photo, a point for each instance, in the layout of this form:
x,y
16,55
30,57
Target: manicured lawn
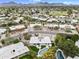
x,y
33,52
58,13
32,55
26,57
33,48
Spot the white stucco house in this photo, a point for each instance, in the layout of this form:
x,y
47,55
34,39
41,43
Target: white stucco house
x,y
17,27
52,19
13,51
76,57
39,41
2,30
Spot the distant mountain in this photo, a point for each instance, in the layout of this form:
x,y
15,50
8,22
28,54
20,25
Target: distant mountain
x,y
59,4
46,4
12,3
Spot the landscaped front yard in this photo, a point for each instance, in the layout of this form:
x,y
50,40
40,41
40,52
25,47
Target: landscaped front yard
x,y
9,41
32,54
26,57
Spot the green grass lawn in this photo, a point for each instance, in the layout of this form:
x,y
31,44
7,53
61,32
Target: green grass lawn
x,y
33,48
26,57
58,13
33,52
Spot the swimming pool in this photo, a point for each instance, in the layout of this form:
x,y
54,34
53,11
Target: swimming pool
x,y
59,55
42,51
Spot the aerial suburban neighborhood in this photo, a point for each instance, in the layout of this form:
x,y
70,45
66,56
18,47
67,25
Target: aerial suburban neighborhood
x,y
39,30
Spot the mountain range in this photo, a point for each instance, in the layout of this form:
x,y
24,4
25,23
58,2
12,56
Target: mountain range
x,y
11,3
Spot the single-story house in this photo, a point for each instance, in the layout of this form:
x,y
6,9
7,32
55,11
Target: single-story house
x,y
40,41
13,51
52,19
66,26
2,30
51,25
17,29
36,24
76,57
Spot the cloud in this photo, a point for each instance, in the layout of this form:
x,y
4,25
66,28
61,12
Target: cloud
x,y
77,3
36,0
67,2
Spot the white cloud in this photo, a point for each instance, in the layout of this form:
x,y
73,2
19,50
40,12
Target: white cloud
x,y
67,2
36,0
77,3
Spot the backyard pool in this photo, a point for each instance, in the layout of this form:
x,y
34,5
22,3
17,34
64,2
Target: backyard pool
x,y
42,51
59,55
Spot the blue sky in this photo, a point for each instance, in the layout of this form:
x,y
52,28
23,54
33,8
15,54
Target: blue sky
x,y
50,1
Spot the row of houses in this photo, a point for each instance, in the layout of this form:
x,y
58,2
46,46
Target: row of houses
x,y
14,30
15,50
54,19
66,28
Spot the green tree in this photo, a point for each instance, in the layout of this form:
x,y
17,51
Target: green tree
x,y
2,41
75,37
50,54
27,36
69,11
58,39
67,45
